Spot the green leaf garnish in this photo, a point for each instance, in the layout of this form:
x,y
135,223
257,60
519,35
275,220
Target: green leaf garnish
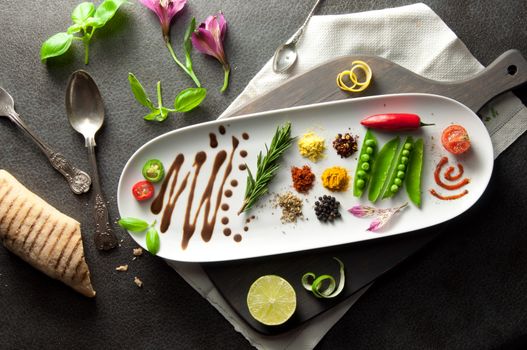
x,y
107,10
187,43
133,224
152,241
82,12
139,92
315,284
267,167
56,45
189,99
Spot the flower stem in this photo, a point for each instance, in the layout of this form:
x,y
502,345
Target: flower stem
x,y
159,96
181,65
227,71
86,42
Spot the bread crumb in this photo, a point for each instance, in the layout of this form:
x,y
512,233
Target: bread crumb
x,y
138,251
122,268
138,282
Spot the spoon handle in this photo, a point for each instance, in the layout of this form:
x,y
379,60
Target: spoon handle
x,y
104,236
78,180
300,30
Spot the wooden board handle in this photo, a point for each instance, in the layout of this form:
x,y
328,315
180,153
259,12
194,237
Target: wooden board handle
x,y
507,72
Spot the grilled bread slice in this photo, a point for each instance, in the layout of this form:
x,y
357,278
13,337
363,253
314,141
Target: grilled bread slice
x,y
42,235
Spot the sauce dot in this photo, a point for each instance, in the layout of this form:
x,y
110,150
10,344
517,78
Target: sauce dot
x,y
246,228
221,129
228,193
234,183
237,238
227,231
225,220
224,207
242,167
245,136
243,153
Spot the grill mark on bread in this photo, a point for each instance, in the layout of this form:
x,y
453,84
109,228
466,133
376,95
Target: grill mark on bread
x,y
35,239
56,240
8,208
13,218
46,240
21,223
37,233
31,228
67,264
76,273
72,233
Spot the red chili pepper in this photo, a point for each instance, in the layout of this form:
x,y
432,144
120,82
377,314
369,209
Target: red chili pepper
x,y
393,121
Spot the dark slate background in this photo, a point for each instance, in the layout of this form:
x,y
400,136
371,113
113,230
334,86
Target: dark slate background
x,y
468,289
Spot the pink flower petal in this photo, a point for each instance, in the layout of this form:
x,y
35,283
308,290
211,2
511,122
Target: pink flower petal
x,y
375,225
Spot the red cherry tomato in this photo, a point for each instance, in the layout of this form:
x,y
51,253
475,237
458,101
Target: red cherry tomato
x,y
455,139
143,190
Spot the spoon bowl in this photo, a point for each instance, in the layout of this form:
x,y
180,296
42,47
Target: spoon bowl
x,y
284,57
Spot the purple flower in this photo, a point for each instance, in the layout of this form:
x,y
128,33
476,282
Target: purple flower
x,y
208,39
382,216
374,225
165,10
361,211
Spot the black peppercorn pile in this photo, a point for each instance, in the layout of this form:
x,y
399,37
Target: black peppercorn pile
x,y
327,208
345,145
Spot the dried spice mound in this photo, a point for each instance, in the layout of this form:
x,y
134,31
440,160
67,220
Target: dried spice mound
x,y
311,146
327,208
335,178
345,145
291,206
303,178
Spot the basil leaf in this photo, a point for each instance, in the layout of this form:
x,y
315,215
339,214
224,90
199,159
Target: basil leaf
x,y
163,114
107,10
133,224
187,43
152,241
56,45
75,28
82,12
189,99
94,22
139,92
152,116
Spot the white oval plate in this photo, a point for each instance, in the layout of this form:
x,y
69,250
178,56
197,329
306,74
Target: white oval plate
x,y
266,235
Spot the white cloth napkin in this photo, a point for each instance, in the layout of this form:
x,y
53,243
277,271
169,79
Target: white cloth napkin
x,y
415,38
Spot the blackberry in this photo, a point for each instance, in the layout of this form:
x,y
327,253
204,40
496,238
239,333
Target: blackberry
x,y
327,208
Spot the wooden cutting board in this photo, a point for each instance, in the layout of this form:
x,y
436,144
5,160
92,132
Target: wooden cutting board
x,y
364,261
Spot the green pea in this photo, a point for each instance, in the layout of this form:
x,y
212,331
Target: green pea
x,y
360,183
398,181
408,146
365,157
370,142
394,188
365,166
361,174
406,153
400,174
369,150
401,167
404,160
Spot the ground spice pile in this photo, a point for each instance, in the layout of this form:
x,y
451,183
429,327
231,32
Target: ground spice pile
x,y
345,145
291,206
311,146
303,178
335,178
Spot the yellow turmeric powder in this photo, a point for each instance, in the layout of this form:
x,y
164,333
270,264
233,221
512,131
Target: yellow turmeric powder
x,y
335,178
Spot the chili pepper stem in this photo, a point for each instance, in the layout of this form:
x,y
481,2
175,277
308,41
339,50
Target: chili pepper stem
x,y
425,124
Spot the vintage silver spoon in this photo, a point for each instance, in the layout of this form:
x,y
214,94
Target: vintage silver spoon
x,y
78,180
85,110
285,55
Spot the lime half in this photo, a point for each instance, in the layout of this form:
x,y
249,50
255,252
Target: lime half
x,y
271,300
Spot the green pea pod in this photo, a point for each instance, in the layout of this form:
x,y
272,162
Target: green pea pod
x,y
366,156
399,168
382,167
415,169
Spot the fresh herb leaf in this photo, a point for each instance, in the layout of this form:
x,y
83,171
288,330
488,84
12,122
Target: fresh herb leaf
x,y
107,10
94,22
81,13
187,43
189,99
153,115
75,28
267,167
56,45
139,92
152,241
133,224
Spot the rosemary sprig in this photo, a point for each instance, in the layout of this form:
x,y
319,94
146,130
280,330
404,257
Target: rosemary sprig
x,y
266,167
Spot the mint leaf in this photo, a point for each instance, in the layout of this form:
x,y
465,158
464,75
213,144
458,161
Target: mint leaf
x,y
139,92
187,43
56,45
82,12
107,10
152,241
189,99
133,224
